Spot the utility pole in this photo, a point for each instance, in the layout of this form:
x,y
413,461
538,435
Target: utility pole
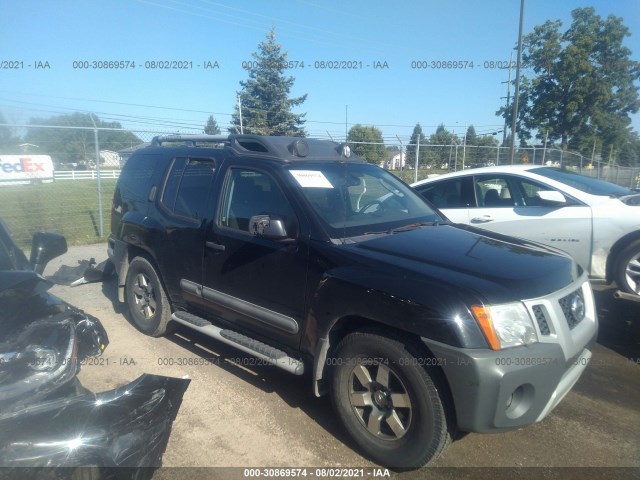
x,y
240,114
544,152
508,97
517,94
464,146
346,122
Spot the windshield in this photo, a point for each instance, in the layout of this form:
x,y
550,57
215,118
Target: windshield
x,y
354,199
585,184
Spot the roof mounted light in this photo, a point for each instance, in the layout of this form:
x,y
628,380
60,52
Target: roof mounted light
x,y
344,150
300,148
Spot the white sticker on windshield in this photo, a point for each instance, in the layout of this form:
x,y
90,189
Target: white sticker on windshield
x,y
311,179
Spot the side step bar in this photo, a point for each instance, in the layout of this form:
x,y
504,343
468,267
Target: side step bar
x,y
248,345
626,296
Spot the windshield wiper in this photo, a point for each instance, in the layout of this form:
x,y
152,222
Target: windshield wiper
x,y
413,226
406,228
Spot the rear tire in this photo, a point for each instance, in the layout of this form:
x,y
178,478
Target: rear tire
x,y
627,269
392,405
148,303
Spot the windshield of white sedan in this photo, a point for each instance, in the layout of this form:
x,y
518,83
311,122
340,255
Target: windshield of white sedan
x,y
586,184
354,199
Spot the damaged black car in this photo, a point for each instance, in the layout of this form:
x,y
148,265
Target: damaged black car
x,y
47,418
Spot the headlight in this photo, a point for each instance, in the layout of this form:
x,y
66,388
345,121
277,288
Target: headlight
x,y
507,325
42,359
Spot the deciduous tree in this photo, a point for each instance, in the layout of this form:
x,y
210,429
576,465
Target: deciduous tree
x,y
77,144
584,82
372,149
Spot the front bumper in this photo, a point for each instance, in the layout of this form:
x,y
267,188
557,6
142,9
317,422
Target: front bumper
x,y
510,389
507,389
125,427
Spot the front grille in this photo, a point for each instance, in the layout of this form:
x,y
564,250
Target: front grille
x,y
573,307
541,319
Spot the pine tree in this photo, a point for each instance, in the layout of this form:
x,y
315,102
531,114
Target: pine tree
x,y
442,136
412,147
212,128
264,98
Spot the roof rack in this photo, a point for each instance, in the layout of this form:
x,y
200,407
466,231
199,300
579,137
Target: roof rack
x,y
280,147
189,139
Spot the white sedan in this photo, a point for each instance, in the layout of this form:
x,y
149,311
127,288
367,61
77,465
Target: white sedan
x,y
597,222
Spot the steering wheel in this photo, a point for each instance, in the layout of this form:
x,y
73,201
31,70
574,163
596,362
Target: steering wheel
x,y
371,204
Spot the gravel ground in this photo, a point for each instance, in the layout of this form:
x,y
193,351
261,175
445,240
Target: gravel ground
x,y
236,414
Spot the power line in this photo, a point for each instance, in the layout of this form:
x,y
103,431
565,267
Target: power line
x,y
237,21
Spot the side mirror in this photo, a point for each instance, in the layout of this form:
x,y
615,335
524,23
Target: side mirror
x,y
267,227
551,197
46,246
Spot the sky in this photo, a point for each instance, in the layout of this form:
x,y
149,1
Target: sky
x,y
385,42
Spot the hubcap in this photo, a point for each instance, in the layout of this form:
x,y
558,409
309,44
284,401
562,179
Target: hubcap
x,y
144,296
632,273
380,401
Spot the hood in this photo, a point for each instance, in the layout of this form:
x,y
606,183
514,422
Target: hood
x,y
496,267
24,299
633,200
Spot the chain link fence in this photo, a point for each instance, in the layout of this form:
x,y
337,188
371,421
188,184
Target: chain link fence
x,y
435,159
77,203
87,164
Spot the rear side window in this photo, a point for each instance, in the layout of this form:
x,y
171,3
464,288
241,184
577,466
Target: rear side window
x,y
453,193
187,186
135,181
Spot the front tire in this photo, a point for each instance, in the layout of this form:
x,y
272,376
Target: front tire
x,y
391,403
148,304
628,268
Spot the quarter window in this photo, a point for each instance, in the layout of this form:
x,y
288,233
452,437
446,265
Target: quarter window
x,y
529,189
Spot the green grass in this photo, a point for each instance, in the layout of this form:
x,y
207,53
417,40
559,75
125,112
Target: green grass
x,y
69,207
408,176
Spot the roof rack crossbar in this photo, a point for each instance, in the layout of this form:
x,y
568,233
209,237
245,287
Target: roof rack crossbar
x,y
192,139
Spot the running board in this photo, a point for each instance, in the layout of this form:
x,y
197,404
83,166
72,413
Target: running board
x,y
269,354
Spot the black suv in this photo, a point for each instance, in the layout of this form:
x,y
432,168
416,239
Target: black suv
x,y
298,252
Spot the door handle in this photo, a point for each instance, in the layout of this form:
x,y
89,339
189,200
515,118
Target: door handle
x,y
482,219
215,246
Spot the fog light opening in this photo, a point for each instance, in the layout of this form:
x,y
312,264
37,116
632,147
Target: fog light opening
x,y
519,402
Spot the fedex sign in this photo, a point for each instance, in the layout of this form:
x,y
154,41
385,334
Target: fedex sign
x,y
24,164
25,168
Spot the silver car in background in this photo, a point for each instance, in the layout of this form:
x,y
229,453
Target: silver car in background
x,y
597,222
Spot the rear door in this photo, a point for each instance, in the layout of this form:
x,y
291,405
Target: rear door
x,y
184,207
453,196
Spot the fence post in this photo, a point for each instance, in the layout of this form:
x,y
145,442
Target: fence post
x,y
100,219
455,165
415,176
